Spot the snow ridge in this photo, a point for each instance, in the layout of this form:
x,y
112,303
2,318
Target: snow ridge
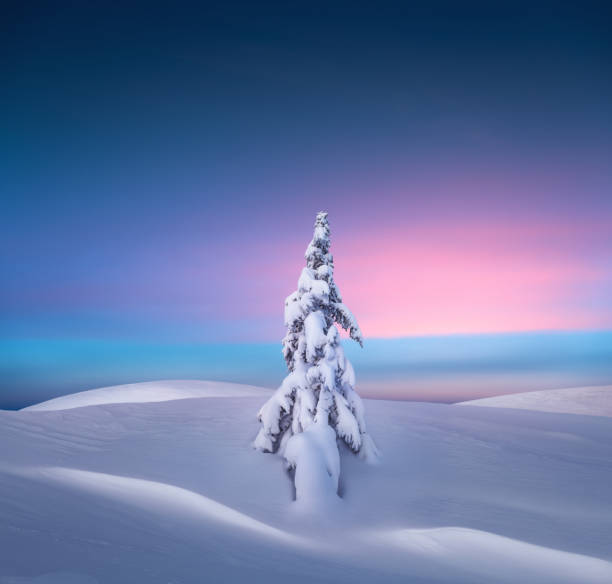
x,y
589,401
149,391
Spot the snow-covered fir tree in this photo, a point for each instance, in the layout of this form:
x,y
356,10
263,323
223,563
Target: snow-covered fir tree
x,y
318,393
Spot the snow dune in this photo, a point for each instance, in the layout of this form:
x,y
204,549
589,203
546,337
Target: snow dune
x,y
590,401
158,492
154,391
498,558
149,495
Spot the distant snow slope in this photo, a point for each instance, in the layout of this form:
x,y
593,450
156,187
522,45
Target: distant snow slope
x,y
154,391
591,401
173,492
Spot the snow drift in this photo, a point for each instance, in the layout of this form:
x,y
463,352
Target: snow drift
x,y
590,401
171,491
154,391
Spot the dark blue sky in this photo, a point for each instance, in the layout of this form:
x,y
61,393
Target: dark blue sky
x,y
161,164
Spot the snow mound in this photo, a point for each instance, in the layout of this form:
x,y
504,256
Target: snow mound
x,y
314,456
589,401
152,391
490,556
146,494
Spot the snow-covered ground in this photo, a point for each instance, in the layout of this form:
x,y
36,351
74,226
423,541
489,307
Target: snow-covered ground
x,y
171,491
590,401
154,391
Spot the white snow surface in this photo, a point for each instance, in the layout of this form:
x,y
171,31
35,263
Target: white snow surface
x,y
172,491
153,391
589,401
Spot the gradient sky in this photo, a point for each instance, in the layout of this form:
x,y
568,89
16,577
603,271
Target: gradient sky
x,y
161,166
